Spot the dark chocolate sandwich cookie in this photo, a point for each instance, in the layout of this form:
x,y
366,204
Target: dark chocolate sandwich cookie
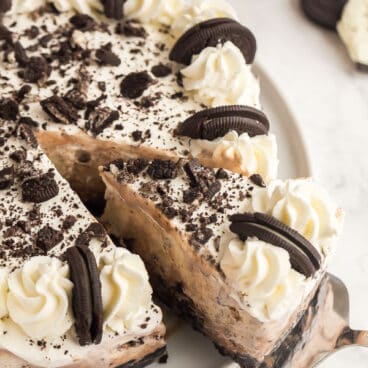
x,y
86,299
211,33
96,297
304,257
114,8
362,67
40,189
217,122
325,13
5,5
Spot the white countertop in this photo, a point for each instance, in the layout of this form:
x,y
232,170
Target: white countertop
x,y
330,99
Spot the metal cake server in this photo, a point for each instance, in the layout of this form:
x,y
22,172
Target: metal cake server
x,y
346,336
328,333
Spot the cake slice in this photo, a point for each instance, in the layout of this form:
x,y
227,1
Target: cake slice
x,y
69,296
240,260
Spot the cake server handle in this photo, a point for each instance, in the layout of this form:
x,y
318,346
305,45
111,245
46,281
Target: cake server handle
x,y
352,337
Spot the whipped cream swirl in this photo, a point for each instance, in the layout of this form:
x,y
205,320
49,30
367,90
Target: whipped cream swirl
x,y
263,276
160,11
39,298
25,6
303,206
3,292
242,154
353,30
126,292
220,76
198,11
82,6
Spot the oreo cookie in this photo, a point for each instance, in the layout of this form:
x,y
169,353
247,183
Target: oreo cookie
x,y
86,298
114,8
214,123
60,110
5,5
39,189
362,67
96,329
304,257
304,244
211,33
325,13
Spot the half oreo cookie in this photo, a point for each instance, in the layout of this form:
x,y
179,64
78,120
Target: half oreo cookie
x,y
304,257
86,299
211,33
214,123
362,67
114,8
5,5
325,13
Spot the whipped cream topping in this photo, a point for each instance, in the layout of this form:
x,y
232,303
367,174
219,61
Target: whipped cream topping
x,y
82,6
158,11
263,275
3,292
26,6
303,206
220,76
170,109
242,154
126,291
39,298
353,30
197,11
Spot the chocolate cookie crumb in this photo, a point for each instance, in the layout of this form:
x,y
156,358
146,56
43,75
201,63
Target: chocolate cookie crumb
x,y
69,222
102,118
222,174
107,57
83,22
130,29
163,169
161,70
37,70
257,180
203,235
18,156
25,132
48,238
9,109
135,167
60,110
28,121
134,84
6,177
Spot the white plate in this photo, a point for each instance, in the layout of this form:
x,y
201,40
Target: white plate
x,y
186,347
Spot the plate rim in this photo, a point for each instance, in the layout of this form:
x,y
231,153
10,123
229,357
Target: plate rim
x,y
300,140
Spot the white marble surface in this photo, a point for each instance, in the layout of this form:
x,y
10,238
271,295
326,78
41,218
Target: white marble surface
x,y
330,100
